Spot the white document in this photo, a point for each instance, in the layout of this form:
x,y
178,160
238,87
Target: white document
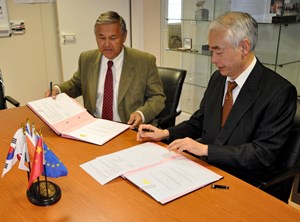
x,y
56,110
172,179
111,166
70,120
164,175
99,131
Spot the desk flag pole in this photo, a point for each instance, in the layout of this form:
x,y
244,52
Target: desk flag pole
x,y
28,145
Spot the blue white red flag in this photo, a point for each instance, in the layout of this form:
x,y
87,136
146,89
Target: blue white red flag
x,y
24,156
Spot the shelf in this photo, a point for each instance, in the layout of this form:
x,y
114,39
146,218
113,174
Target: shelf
x,y
192,51
194,84
277,20
282,64
209,54
187,20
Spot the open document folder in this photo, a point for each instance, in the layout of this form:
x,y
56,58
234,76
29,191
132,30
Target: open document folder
x,y
164,175
67,118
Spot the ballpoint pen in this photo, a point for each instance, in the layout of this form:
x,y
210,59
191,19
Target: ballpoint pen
x,y
50,88
217,186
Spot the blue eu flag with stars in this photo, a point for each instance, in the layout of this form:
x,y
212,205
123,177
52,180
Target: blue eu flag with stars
x,y
53,166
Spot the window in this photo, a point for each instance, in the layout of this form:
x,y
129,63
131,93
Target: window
x,y
174,11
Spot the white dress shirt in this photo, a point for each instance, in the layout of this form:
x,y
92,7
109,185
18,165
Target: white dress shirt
x,y
240,80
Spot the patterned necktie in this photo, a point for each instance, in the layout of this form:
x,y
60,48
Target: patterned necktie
x,y
107,108
228,102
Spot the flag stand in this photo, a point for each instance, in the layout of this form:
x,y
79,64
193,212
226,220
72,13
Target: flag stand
x,y
44,162
44,193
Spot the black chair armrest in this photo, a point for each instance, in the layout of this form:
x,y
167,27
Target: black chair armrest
x,y
278,177
12,101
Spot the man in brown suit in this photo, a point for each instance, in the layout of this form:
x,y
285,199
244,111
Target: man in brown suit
x,y
138,92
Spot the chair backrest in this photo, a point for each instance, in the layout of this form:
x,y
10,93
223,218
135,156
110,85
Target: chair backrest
x,y
291,153
289,158
4,98
2,94
172,80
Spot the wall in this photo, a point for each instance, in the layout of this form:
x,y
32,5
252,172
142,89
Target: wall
x,y
151,28
30,60
146,20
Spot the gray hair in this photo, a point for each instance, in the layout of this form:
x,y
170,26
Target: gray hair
x,y
239,26
111,17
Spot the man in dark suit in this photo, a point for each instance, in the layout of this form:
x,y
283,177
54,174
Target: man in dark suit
x,y
137,90
264,104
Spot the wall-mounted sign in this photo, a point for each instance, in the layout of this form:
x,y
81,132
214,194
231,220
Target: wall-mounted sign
x,y
33,1
5,30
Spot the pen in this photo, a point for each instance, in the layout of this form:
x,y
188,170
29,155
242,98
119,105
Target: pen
x,y
217,186
50,88
148,130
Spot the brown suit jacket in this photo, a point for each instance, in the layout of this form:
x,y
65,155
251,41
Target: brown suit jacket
x,y
140,86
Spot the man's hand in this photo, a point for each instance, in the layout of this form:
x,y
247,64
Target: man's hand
x,y
147,131
53,94
135,120
189,145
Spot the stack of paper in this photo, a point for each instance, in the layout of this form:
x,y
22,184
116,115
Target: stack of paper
x,y
162,174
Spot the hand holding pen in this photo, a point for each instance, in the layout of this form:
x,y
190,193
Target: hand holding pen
x,y
147,131
52,91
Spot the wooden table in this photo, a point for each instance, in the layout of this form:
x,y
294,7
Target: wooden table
x,y
84,199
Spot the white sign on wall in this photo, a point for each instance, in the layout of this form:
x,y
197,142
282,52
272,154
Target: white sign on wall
x,y
5,30
33,1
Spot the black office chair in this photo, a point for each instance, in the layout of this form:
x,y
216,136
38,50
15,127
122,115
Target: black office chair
x,y
3,98
279,183
172,80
